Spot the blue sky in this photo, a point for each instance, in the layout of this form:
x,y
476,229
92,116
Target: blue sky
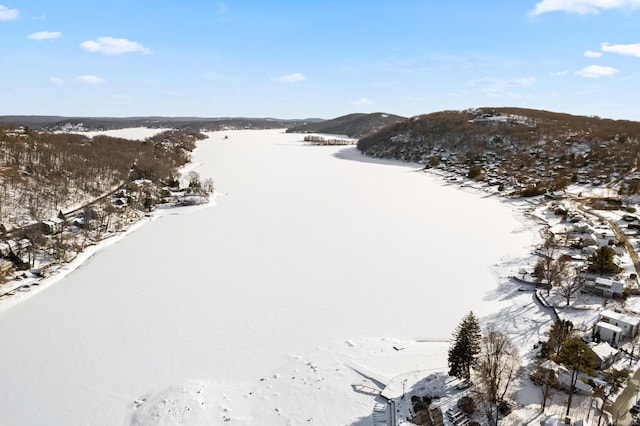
x,y
311,58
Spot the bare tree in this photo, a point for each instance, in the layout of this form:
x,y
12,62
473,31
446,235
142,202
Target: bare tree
x,y
548,269
498,362
548,381
571,283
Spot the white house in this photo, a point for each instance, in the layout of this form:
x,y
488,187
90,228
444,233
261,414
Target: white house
x,y
605,355
583,227
52,226
605,287
590,240
606,332
630,324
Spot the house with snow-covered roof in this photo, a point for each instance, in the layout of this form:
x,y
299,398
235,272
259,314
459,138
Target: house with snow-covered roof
x,y
52,226
629,324
605,332
605,355
605,287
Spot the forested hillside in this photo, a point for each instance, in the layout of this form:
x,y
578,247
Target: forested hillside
x,y
528,151
43,173
352,125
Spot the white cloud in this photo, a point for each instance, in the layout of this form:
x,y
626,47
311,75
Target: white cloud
x,y
592,54
595,71
622,49
292,78
113,46
57,81
91,79
7,14
363,101
582,7
44,35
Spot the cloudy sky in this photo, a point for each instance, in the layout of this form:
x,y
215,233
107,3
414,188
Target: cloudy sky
x,y
317,58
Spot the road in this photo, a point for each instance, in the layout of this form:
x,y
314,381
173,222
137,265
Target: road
x,y
620,409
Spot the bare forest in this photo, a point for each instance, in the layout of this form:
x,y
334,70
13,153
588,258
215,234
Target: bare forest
x,y
60,191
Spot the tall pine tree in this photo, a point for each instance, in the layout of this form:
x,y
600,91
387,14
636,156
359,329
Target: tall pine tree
x,y
464,347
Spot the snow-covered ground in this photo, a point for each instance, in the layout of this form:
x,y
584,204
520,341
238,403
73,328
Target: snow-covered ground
x,y
267,308
136,133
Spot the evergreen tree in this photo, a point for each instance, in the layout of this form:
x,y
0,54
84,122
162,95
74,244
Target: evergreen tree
x,y
577,357
464,347
602,261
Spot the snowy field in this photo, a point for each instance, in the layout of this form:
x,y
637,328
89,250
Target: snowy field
x,y
267,307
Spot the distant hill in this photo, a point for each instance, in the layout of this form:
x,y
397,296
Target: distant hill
x,y
515,147
352,125
56,123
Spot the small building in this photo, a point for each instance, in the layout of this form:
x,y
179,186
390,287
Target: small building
x,y
605,355
605,332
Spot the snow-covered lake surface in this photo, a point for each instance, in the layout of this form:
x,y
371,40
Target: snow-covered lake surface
x,y
267,307
136,133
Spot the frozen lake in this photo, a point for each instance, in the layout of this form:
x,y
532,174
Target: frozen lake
x,y
308,248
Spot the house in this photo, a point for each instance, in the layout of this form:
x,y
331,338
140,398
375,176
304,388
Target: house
x,y
630,324
605,355
564,377
605,332
18,248
590,240
605,287
52,226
